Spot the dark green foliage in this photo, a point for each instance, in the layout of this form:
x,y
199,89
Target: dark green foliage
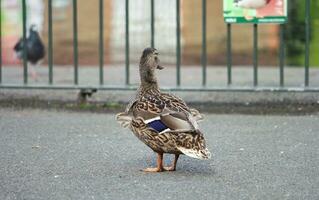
x,y
314,47
295,32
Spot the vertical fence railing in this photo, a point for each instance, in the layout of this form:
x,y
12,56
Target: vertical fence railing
x,y
50,47
101,41
204,44
178,44
281,52
75,42
229,55
307,43
24,35
0,42
281,55
152,24
255,55
127,44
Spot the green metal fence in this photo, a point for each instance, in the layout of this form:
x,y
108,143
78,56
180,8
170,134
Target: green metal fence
x,y
178,87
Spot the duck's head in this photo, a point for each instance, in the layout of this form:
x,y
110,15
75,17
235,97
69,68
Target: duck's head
x,y
150,59
148,64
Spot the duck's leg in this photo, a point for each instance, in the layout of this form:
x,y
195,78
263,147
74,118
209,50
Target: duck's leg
x,y
159,167
173,167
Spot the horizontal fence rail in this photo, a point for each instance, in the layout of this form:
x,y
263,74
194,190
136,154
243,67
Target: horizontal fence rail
x,y
178,86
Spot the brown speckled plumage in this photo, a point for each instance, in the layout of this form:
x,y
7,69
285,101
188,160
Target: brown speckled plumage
x,y
182,136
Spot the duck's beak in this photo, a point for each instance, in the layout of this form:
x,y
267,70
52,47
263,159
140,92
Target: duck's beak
x,y
160,67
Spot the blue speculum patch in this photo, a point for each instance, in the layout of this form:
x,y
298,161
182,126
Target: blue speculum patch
x,y
157,125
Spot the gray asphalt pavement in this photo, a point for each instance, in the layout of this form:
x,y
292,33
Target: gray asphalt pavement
x,y
47,154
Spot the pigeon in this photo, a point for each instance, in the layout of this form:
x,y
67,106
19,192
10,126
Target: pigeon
x,y
35,49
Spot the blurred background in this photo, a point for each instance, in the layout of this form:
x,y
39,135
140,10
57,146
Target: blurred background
x,y
165,32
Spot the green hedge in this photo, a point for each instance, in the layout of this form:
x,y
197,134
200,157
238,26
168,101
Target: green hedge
x,y
295,33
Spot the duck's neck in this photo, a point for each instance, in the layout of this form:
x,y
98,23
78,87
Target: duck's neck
x,y
148,86
148,80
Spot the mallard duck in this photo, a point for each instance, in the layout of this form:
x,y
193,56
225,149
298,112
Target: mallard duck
x,y
162,121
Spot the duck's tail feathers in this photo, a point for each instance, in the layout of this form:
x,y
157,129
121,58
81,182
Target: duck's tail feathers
x,y
197,115
123,119
202,154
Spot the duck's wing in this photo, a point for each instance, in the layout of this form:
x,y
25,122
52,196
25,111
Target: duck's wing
x,y
169,111
194,112
130,105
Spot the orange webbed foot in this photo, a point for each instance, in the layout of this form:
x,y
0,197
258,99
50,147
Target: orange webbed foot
x,y
155,169
170,169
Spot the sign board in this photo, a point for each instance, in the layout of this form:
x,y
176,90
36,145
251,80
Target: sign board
x,y
255,11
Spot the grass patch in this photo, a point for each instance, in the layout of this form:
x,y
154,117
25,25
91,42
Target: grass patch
x,y
111,105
